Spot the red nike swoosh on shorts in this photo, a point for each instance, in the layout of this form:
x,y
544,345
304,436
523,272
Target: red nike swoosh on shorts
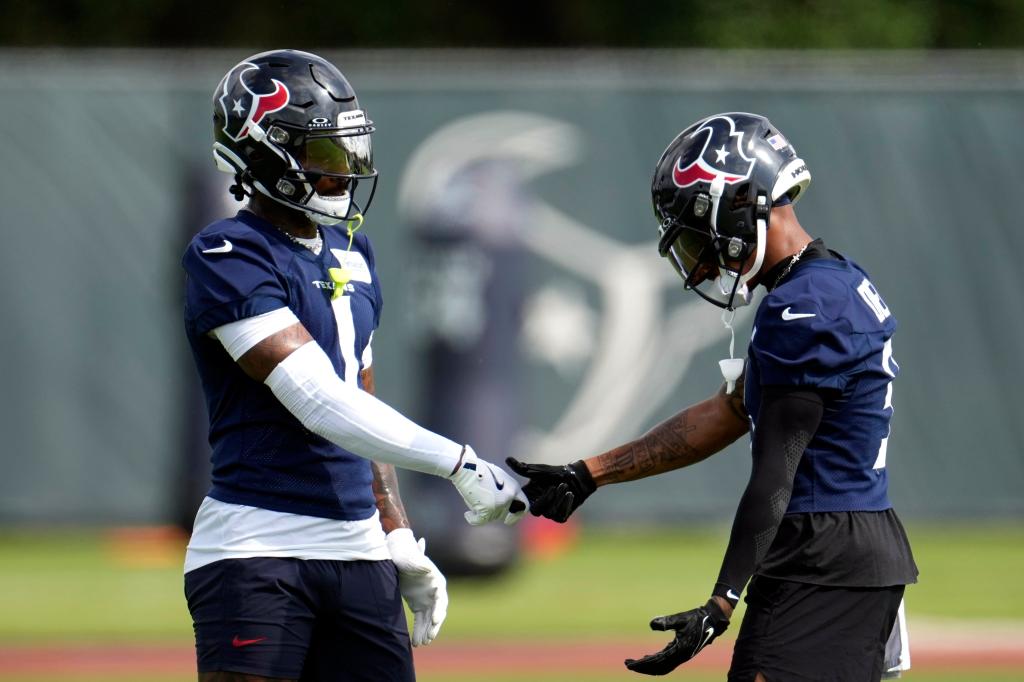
x,y
236,642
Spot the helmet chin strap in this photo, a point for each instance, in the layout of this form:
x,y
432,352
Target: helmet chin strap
x,y
329,206
716,192
726,283
762,233
733,286
732,367
323,210
318,218
323,220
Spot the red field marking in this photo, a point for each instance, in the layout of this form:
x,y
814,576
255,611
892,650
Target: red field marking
x,y
579,656
525,657
100,659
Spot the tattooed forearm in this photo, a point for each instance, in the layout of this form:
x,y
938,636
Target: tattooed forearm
x,y
693,435
389,501
663,448
385,478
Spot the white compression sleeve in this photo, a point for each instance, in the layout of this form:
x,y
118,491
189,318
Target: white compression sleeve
x,y
239,337
305,382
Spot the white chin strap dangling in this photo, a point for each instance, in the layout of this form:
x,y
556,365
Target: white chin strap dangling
x,y
731,367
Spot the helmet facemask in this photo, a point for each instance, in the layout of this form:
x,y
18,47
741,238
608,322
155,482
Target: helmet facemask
x,y
709,244
294,161
342,154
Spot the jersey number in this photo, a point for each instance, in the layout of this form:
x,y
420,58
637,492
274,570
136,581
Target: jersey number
x,y
871,296
887,366
874,301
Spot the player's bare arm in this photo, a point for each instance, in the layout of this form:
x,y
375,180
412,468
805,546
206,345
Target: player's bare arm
x,y
260,360
691,436
369,383
389,501
385,479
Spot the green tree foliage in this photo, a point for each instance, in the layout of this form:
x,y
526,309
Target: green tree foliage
x,y
828,24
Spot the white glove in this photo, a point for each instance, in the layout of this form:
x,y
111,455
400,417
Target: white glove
x,y
422,585
489,492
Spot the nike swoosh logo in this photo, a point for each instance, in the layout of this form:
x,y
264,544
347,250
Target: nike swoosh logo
x,y
732,595
708,633
786,315
499,485
238,643
220,249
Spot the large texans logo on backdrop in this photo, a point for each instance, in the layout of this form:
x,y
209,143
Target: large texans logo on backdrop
x,y
721,155
246,103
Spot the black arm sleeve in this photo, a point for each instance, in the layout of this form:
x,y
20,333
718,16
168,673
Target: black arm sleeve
x,y
786,422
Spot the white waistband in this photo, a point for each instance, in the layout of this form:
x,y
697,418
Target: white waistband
x,y
234,531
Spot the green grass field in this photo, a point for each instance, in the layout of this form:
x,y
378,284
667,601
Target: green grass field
x,y
73,588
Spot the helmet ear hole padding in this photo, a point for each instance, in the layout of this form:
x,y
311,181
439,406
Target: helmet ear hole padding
x,y
741,198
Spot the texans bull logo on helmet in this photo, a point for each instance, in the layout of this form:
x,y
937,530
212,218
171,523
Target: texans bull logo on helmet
x,y
247,95
721,155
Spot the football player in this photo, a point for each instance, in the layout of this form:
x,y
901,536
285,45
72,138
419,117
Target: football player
x,y
815,534
301,552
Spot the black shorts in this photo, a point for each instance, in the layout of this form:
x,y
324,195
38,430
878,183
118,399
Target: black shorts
x,y
300,619
797,631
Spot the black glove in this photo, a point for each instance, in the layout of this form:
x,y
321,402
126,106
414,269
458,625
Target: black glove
x,y
555,491
695,629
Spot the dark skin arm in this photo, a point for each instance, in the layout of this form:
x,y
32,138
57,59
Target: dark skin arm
x,y
689,437
260,360
385,480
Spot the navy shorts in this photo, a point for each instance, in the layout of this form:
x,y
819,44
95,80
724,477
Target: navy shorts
x,y
300,619
801,632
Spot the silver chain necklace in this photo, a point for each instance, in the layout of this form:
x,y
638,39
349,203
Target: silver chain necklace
x,y
792,261
314,244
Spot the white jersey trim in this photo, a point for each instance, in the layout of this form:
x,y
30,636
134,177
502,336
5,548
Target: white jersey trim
x,y
367,359
234,531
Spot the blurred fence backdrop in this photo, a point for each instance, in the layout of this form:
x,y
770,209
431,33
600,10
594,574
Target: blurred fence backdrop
x,y
527,311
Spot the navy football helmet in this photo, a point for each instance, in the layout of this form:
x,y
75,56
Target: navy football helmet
x,y
282,121
713,190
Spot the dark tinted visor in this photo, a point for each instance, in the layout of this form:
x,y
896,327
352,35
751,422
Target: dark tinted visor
x,y
691,254
349,155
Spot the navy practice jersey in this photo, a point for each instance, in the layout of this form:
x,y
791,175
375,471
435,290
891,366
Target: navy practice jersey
x,y
826,327
262,456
